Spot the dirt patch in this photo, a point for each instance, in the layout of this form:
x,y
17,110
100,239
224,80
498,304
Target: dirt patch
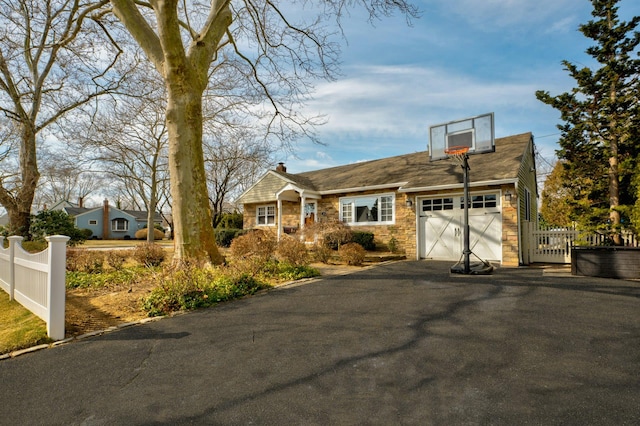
x,y
90,310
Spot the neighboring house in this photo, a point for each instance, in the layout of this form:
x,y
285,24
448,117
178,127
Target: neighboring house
x,y
107,222
416,201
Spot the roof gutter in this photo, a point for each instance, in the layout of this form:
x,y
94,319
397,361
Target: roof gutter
x,y
363,188
458,185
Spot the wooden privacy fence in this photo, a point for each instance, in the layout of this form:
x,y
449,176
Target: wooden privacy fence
x,y
553,245
37,280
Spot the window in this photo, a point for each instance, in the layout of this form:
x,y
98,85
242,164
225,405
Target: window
x,y
436,204
527,204
481,201
120,225
266,215
375,209
93,222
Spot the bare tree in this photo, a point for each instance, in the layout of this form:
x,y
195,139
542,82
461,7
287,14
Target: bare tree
x,y
187,40
65,177
128,139
231,163
52,62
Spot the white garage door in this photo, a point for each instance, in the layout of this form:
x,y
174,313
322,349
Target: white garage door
x,y
441,227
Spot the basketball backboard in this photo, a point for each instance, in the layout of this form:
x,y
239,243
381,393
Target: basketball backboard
x,y
477,133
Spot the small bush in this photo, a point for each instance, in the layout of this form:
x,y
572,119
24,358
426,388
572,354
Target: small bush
x,y
141,234
230,221
333,233
292,251
392,245
365,239
86,233
224,237
121,277
257,244
192,288
149,254
352,254
87,261
321,253
116,258
34,246
288,272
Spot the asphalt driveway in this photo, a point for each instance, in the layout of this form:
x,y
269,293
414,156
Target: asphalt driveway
x,y
401,343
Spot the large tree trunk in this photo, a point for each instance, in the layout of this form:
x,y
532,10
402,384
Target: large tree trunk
x,y
614,173
194,237
18,205
614,195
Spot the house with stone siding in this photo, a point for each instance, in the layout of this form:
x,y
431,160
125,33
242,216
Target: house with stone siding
x,y
416,201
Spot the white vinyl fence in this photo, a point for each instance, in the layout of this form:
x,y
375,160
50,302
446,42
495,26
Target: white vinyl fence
x,y
37,281
553,245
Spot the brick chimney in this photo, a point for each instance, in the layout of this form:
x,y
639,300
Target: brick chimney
x,y
80,201
281,168
105,220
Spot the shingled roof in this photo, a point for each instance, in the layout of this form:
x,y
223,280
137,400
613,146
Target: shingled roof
x,y
415,171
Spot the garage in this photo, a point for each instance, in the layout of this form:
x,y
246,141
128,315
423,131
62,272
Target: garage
x,y
441,226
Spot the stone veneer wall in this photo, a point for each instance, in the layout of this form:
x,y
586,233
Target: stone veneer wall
x,y
510,238
290,215
404,230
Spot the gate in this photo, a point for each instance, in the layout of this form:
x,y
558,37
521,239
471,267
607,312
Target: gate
x,y
547,245
553,245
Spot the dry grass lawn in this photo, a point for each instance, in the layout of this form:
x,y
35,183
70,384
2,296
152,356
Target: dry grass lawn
x,y
19,328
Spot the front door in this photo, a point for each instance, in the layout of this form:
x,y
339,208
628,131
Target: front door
x,y
310,213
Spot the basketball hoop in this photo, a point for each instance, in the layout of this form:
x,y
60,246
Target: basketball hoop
x,y
457,152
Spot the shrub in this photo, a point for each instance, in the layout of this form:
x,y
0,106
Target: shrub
x,y
34,246
256,244
292,251
251,253
192,288
141,234
337,236
321,253
392,245
333,233
230,221
121,277
116,258
55,222
149,254
352,254
87,261
365,239
290,272
224,237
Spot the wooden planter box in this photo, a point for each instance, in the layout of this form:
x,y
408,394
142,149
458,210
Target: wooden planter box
x,y
606,262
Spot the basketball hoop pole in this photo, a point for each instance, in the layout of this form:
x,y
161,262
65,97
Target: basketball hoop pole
x,y
467,250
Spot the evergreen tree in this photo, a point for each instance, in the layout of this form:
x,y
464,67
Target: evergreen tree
x,y
598,145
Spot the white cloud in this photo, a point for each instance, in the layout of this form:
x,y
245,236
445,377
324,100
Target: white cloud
x,y
406,100
495,15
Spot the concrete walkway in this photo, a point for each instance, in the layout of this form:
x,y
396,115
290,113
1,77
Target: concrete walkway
x,y
400,343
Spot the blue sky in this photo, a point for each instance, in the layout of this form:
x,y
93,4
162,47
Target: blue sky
x,y
460,59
